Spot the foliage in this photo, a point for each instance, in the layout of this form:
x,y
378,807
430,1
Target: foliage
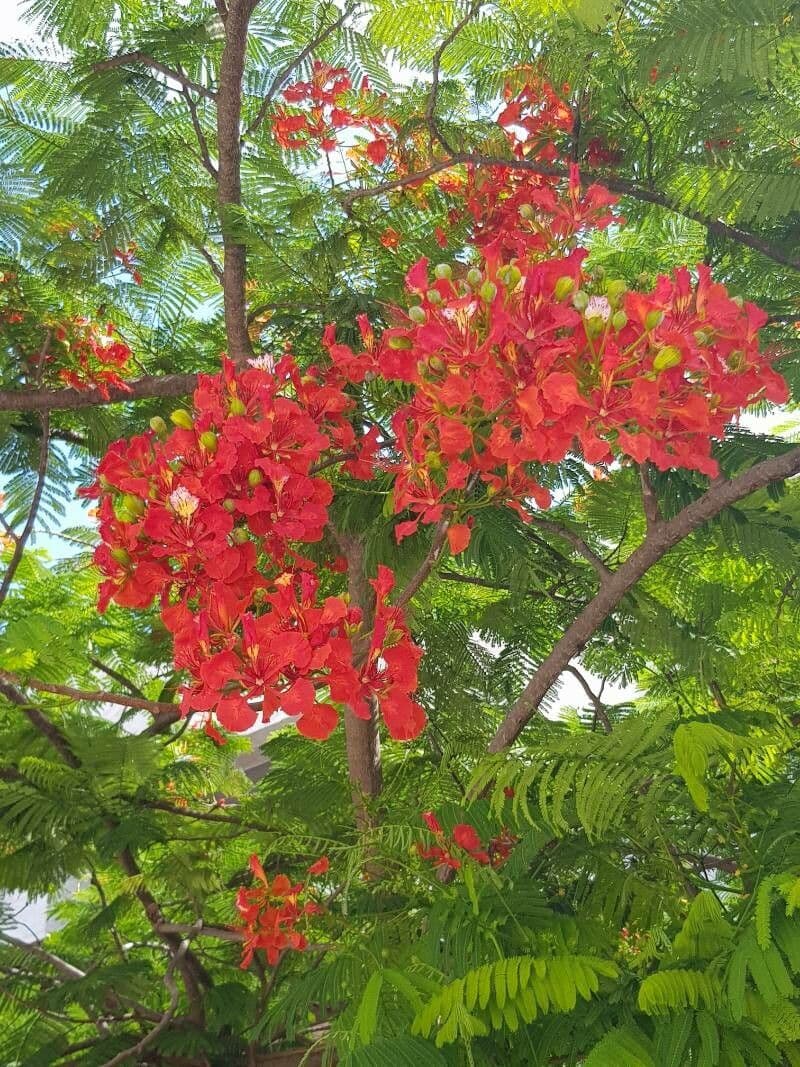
x,y
623,886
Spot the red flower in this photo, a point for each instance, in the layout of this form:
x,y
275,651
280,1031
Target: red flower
x,y
321,866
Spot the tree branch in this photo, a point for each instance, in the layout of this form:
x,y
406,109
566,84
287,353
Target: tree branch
x,y
21,540
657,543
427,565
650,506
94,696
433,96
198,131
616,185
149,387
279,79
144,59
601,715
575,540
33,948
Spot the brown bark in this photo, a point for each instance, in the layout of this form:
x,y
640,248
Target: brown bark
x,y
659,540
362,738
229,177
147,388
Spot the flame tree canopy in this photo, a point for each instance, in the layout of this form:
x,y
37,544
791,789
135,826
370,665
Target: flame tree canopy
x,y
415,383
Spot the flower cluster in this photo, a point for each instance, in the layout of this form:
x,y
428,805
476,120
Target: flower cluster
x,y
209,519
98,358
464,842
325,107
270,912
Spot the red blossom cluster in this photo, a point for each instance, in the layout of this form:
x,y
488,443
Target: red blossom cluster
x,y
271,910
210,518
99,359
325,107
464,842
127,257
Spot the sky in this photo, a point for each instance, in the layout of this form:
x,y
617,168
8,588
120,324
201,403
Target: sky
x,y
10,24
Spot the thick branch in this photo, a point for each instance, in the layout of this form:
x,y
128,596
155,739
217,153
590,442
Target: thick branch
x,y
21,540
229,177
659,540
138,58
616,185
280,78
147,388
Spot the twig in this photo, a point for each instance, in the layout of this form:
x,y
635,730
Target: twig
x,y
66,970
21,540
118,676
427,565
144,59
198,130
281,77
433,95
575,540
167,1017
599,707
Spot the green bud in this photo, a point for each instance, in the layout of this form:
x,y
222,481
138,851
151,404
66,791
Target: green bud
x,y
134,505
615,289
237,406
668,357
417,314
121,555
398,342
239,535
158,426
526,211
564,287
653,319
488,291
208,439
514,276
434,296
474,277
580,300
704,337
594,325
183,419
599,272
619,320
436,364
254,478
229,505
737,360
443,270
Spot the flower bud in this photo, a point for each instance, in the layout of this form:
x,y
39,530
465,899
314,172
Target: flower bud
x,y
704,336
526,211
134,505
121,555
436,364
619,320
580,300
158,426
564,287
514,276
417,314
488,291
239,535
182,418
474,277
615,289
208,439
668,357
237,406
399,342
434,296
443,270
653,319
737,360
254,478
229,505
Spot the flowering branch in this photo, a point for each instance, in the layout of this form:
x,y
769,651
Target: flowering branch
x,y
279,79
659,540
587,177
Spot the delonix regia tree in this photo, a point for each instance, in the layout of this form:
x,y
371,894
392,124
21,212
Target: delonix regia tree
x,y
400,350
